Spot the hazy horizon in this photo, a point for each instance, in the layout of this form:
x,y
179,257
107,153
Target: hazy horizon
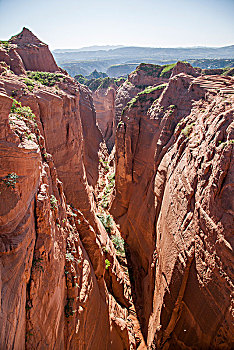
x,y
156,24
158,47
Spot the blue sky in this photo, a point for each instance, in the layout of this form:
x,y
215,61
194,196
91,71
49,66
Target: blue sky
x,y
78,23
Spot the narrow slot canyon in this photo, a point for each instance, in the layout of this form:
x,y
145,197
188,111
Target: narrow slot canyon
x,y
116,206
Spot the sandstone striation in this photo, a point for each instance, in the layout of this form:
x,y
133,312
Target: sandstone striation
x,y
174,173
55,292
35,55
145,75
160,277
103,92
104,101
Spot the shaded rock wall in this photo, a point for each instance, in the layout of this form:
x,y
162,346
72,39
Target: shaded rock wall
x,y
104,101
61,282
144,75
53,285
174,164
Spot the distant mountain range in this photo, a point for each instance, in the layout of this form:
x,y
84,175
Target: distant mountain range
x,y
89,48
85,60
131,52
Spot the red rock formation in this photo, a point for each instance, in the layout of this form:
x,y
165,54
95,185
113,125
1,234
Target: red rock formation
x,y
35,55
54,289
185,67
63,284
147,74
104,101
174,169
109,102
144,75
12,59
91,133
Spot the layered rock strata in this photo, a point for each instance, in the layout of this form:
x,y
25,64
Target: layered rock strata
x,y
57,291
67,279
34,54
104,101
145,75
174,189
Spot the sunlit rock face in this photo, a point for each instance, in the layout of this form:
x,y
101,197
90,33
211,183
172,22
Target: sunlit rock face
x,y
53,273
35,55
63,282
174,175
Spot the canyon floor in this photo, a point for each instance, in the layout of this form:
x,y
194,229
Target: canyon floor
x,y
116,206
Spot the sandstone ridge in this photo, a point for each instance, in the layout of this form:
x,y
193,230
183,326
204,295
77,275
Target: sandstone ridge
x,y
174,169
121,251
57,291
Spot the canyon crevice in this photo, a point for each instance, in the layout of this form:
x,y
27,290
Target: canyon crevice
x,y
116,207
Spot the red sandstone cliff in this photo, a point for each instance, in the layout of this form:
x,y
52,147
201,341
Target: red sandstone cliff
x,y
145,75
104,101
174,175
33,52
63,282
54,289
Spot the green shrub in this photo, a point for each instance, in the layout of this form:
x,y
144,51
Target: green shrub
x,y
166,72
30,84
105,204
111,177
142,96
187,130
105,249
25,111
10,180
5,44
106,221
45,78
53,202
119,81
69,257
109,187
36,263
171,109
121,122
106,82
119,244
105,164
160,87
107,262
99,83
151,89
132,103
81,79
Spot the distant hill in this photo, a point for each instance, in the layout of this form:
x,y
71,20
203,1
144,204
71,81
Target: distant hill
x,y
85,61
119,70
131,52
89,48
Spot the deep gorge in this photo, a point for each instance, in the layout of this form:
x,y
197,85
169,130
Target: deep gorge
x,y
116,207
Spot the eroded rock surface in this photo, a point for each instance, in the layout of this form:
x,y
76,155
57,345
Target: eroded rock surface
x,y
35,55
67,278
54,290
145,75
174,184
104,101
